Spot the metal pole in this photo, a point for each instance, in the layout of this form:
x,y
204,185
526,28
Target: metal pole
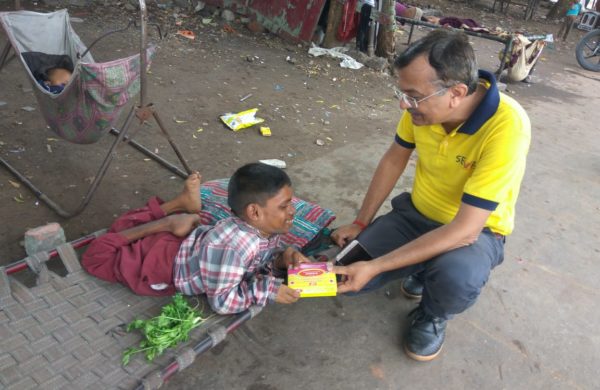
x,y
143,53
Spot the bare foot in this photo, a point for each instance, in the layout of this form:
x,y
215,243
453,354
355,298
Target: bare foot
x,y
189,198
182,224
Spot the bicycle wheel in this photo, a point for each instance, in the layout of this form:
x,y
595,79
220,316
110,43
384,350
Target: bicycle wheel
x,y
587,51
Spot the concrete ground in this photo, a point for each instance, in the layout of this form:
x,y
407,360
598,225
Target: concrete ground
x,y
534,326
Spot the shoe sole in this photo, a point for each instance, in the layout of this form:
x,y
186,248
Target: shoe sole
x,y
421,358
409,295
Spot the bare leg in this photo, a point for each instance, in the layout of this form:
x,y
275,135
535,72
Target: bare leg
x,y
188,200
180,225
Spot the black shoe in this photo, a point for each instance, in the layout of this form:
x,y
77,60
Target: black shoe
x,y
412,288
425,337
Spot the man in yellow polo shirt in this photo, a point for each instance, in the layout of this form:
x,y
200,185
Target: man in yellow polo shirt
x,y
446,236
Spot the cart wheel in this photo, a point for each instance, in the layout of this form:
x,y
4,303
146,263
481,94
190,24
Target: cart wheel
x,y
588,51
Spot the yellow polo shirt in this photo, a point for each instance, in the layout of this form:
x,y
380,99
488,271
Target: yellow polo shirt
x,y
480,163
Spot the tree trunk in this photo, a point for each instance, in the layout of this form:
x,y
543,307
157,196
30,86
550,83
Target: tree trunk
x,y
333,20
386,45
558,10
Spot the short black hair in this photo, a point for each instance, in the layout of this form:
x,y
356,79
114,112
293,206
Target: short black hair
x,y
254,183
449,53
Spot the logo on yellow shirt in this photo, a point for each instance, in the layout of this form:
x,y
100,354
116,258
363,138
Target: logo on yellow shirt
x,y
462,160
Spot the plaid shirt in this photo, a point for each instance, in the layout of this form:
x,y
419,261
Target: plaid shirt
x,y
230,263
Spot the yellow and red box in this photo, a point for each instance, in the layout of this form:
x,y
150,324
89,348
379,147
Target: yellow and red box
x,y
313,280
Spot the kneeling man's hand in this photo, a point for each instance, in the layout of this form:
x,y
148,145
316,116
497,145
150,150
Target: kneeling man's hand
x,y
355,276
344,234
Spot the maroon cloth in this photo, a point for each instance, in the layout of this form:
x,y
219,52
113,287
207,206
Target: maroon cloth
x,y
140,263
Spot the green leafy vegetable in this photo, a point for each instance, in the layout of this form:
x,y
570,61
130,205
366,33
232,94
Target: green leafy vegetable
x,y
171,327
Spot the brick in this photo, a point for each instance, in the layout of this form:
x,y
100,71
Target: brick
x,y
90,308
72,291
20,292
115,378
111,310
54,324
33,363
42,374
6,361
91,362
83,352
77,301
63,308
23,384
22,354
63,363
33,332
105,300
82,325
107,367
56,382
112,350
92,334
63,334
3,317
12,342
42,289
71,317
111,324
54,352
73,372
15,312
35,305
43,343
54,298
43,316
10,374
129,383
5,331
86,380
73,343
97,317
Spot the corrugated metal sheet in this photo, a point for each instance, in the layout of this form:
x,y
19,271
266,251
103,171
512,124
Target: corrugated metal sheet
x,y
292,19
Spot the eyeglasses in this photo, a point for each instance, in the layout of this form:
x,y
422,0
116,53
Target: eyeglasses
x,y
412,102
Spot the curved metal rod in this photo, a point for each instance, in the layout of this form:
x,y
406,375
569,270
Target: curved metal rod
x,y
131,22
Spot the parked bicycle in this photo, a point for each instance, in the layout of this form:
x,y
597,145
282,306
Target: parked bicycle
x,y
588,51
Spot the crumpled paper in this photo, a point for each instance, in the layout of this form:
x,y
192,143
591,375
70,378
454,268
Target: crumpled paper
x,y
241,120
336,52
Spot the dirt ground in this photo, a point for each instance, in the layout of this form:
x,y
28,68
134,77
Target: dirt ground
x,y
191,84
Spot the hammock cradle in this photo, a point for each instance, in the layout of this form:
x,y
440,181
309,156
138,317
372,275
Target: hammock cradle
x,y
91,103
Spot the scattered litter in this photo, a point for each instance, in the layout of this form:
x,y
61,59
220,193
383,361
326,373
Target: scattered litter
x,y
49,148
265,131
227,28
19,198
329,139
186,34
246,97
14,184
200,130
278,87
274,162
336,52
76,20
290,60
194,136
146,159
179,121
28,108
320,142
206,20
241,120
2,103
51,139
20,149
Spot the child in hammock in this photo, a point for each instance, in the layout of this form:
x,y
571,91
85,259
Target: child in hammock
x,y
57,79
